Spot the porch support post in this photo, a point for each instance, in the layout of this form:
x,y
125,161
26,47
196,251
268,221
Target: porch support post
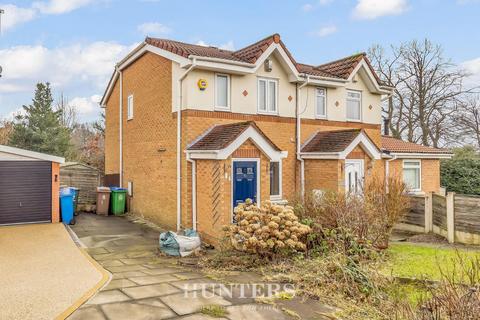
x,y
450,201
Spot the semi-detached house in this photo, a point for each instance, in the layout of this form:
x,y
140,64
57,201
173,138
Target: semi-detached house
x,y
193,130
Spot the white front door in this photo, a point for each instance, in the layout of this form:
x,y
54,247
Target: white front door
x,y
353,176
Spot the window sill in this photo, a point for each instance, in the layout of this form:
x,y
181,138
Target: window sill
x,y
278,200
129,119
354,120
222,109
268,113
321,117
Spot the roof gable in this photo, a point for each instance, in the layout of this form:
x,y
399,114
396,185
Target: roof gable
x,y
338,144
220,141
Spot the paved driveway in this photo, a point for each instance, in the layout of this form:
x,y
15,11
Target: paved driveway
x,y
146,285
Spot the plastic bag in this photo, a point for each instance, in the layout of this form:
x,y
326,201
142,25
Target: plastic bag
x,y
179,245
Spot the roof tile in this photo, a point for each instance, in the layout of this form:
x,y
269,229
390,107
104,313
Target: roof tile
x,y
394,145
331,141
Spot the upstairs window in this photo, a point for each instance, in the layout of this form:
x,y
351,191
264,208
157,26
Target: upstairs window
x,y
267,96
222,91
321,103
412,174
275,180
130,107
354,105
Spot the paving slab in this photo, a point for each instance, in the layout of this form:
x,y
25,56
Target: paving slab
x,y
189,275
255,312
111,263
196,284
127,274
153,279
90,313
108,297
149,291
96,250
130,261
177,302
136,311
119,283
308,309
199,316
126,268
161,270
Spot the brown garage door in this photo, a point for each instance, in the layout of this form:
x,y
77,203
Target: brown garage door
x,y
25,191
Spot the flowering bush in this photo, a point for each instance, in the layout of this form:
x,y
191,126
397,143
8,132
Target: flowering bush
x,y
267,230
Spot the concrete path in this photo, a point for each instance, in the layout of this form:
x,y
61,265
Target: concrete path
x,y
146,285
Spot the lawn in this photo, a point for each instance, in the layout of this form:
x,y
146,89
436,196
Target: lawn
x,y
423,261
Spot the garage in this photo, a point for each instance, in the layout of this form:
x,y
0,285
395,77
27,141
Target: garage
x,y
29,186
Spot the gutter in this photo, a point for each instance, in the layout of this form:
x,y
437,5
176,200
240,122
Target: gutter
x,y
232,62
298,120
179,144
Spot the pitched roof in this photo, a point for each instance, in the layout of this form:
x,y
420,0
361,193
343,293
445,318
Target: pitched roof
x,y
221,136
330,141
340,69
394,145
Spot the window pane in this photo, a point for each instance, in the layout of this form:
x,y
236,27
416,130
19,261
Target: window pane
x,y
272,96
262,95
353,109
222,91
321,106
274,178
411,177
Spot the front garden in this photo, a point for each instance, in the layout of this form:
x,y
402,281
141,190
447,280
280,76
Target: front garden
x,y
335,249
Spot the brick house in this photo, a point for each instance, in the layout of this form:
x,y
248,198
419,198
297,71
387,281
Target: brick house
x,y
252,123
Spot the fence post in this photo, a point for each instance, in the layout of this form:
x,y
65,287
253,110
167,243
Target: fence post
x,y
450,204
429,212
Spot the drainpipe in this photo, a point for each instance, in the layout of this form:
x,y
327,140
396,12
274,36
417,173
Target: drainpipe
x,y
179,143
194,192
299,158
120,128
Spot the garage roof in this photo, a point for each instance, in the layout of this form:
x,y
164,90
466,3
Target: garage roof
x,y
29,154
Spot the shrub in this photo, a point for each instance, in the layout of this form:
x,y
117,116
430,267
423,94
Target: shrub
x,y
354,223
460,174
267,230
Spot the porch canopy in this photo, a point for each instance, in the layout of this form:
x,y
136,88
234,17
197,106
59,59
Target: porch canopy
x,y
220,141
338,144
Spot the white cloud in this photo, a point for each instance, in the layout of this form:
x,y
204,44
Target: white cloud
x,y
372,9
326,31
153,29
60,6
473,69
89,64
15,15
86,105
226,46
307,7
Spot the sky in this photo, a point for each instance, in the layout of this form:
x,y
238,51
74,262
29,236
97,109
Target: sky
x,y
74,44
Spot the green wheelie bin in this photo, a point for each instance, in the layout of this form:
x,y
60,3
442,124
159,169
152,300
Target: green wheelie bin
x,y
118,200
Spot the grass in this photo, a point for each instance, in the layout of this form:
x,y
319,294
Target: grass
x,y
421,261
214,311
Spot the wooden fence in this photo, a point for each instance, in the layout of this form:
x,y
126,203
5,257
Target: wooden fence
x,y
84,177
454,216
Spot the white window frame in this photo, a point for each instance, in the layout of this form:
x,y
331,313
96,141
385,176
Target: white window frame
x,y
130,107
361,106
227,107
419,167
280,173
267,95
324,97
130,188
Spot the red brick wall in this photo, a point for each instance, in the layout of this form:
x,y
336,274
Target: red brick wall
x,y
430,180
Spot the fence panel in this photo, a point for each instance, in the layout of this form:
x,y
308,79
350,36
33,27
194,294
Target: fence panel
x,y
467,214
439,211
416,215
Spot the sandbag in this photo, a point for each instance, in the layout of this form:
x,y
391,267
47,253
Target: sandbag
x,y
179,245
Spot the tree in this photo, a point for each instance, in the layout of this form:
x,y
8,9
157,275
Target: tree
x,y
468,121
40,128
460,174
428,91
6,128
68,112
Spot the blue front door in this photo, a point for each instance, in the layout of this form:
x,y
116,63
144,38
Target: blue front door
x,y
244,181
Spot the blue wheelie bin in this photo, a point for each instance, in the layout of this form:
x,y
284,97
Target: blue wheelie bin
x,y
66,205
